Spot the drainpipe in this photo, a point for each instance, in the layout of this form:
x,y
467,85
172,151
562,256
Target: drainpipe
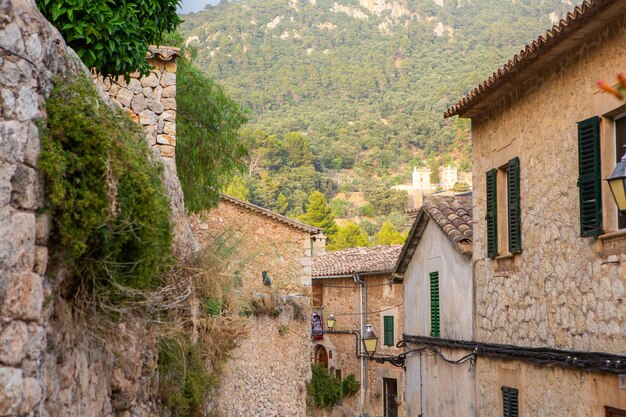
x,y
362,307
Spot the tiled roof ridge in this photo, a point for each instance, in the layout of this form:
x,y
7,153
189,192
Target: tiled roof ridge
x,y
544,42
371,259
270,214
454,218
164,53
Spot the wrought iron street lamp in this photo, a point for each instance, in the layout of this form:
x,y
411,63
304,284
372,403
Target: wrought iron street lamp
x,y
331,321
617,183
370,340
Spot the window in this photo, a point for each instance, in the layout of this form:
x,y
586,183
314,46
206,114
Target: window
x,y
620,149
434,304
504,234
614,412
589,181
388,330
510,402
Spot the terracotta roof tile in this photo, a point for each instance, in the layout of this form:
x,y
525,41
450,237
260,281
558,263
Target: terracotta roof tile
x,y
272,215
454,217
356,260
540,48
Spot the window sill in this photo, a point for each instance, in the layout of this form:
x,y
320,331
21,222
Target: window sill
x,y
613,236
504,257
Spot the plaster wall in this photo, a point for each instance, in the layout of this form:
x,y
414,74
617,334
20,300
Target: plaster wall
x,y
436,253
434,387
341,297
562,290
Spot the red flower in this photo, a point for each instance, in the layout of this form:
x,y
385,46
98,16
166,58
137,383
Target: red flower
x,y
604,86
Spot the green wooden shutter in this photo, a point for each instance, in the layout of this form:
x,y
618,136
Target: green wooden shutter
x,y
514,210
589,181
434,304
510,402
492,214
388,324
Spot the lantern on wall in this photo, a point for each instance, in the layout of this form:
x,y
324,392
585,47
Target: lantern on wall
x,y
330,322
617,183
370,340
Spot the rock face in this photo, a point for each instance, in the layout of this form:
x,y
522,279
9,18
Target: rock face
x,y
48,366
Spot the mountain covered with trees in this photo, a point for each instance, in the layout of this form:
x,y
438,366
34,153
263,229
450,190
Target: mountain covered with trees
x,y
345,96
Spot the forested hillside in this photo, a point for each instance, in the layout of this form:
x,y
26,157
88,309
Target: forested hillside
x,y
347,95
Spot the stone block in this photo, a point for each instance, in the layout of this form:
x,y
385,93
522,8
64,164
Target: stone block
x,y
166,140
169,103
41,260
14,137
115,89
42,229
33,145
10,75
167,151
36,342
27,192
32,393
157,93
155,106
125,96
138,103
13,339
27,104
17,246
167,79
135,86
148,117
7,103
150,81
169,92
33,47
11,381
6,173
22,295
148,92
132,115
170,128
168,116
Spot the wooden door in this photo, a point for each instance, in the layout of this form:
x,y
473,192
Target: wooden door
x,y
614,412
321,356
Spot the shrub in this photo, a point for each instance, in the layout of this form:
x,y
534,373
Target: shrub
x,y
110,215
112,37
325,389
350,385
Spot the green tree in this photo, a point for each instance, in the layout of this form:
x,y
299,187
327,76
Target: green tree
x,y
283,204
238,188
319,214
112,36
387,235
348,236
209,150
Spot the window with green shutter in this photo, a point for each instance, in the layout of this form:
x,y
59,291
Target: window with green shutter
x,y
492,214
388,330
434,304
589,181
510,402
514,212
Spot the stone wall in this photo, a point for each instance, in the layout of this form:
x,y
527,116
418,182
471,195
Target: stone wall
x,y
260,243
49,365
266,375
562,290
341,296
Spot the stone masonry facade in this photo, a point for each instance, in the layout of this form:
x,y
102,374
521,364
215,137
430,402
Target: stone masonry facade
x,y
562,290
47,365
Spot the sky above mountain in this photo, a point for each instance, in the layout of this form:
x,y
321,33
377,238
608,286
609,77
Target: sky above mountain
x,y
192,6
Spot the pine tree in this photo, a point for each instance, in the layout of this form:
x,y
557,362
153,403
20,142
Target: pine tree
x,y
348,236
238,188
387,235
319,214
283,204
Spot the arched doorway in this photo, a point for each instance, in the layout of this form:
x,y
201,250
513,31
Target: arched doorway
x,y
321,356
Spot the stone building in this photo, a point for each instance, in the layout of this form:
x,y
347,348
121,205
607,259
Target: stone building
x,y
549,247
266,374
435,267
357,286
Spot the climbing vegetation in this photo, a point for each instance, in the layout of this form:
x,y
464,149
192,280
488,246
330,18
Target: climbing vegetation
x,y
110,215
